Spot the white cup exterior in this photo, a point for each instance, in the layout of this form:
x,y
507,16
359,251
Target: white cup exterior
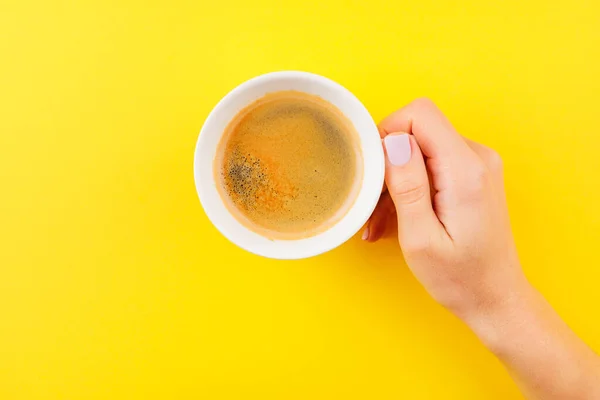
x,y
234,102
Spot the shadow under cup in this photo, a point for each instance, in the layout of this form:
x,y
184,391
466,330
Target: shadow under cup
x,y
206,168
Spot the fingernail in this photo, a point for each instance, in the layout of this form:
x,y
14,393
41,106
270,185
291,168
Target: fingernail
x,y
397,148
365,235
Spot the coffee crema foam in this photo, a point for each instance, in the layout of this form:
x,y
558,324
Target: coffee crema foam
x,y
289,165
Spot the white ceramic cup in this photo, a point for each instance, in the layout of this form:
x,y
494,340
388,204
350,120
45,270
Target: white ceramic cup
x,y
242,96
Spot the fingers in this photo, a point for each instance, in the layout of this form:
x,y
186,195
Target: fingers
x,y
490,158
456,169
436,136
380,220
493,163
408,186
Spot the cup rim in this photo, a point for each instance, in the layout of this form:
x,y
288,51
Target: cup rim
x,y
356,216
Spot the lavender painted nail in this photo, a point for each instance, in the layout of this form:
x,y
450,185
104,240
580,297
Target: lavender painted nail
x,y
397,148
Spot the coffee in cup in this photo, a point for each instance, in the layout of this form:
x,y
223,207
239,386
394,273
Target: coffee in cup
x,y
289,165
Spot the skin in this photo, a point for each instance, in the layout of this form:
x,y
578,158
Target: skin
x,y
454,231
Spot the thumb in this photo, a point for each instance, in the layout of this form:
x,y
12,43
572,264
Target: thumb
x,y
408,185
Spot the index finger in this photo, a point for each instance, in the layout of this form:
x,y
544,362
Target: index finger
x,y
436,136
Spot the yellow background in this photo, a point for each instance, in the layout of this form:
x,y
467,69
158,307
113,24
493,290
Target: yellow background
x,y
114,284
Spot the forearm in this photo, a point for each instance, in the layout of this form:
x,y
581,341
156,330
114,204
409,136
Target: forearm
x,y
544,356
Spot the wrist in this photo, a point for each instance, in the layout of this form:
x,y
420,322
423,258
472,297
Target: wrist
x,y
495,320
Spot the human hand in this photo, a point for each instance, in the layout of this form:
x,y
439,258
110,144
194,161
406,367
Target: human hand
x,y
448,194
